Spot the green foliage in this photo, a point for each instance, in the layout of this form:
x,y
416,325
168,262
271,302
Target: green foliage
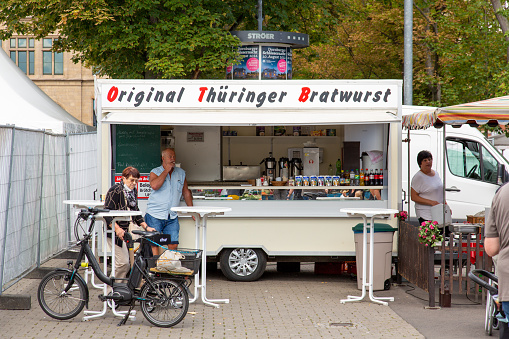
x,y
459,52
153,38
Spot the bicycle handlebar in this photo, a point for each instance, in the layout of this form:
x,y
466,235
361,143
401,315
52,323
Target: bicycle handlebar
x,y
94,210
473,275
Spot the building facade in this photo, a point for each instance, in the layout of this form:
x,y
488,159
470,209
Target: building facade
x,y
70,85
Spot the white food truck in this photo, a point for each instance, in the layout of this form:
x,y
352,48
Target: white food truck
x,y
217,125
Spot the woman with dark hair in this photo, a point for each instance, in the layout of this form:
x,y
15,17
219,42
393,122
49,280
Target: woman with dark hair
x,y
123,196
426,188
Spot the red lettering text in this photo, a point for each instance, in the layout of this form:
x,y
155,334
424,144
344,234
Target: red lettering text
x,y
112,94
304,95
202,93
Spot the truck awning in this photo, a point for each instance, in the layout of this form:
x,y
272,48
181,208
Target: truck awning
x,y
248,117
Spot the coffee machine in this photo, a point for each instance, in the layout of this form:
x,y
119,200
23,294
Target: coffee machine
x,y
270,167
283,165
295,167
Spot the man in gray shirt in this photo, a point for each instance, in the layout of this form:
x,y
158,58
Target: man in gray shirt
x,y
496,241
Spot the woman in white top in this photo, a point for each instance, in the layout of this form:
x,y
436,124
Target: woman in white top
x,y
427,187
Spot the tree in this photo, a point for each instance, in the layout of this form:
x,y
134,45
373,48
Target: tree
x,y
151,38
459,50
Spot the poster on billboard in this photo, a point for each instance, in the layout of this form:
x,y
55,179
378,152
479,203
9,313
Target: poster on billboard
x,y
249,67
289,69
274,63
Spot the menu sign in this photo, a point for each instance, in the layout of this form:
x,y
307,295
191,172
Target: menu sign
x,y
143,185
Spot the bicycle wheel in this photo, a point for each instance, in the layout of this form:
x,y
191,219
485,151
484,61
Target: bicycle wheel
x,y
59,304
166,304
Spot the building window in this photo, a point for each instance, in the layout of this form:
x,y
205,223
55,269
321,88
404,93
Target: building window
x,y
21,54
47,43
22,61
46,62
52,62
59,63
31,62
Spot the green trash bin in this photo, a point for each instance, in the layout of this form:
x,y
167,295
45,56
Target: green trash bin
x,y
382,255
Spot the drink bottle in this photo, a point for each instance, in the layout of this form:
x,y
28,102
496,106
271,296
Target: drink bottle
x,y
361,178
338,166
357,177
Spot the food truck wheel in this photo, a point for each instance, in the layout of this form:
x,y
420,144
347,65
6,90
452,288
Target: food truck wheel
x,y
243,264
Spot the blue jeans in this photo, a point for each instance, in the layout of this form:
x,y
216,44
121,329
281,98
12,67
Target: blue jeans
x,y
505,308
169,226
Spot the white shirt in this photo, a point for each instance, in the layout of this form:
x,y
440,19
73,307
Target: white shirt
x,y
428,187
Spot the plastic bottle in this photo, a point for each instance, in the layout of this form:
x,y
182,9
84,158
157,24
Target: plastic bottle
x,y
347,178
342,178
352,177
377,178
371,178
338,166
357,177
361,178
381,177
330,171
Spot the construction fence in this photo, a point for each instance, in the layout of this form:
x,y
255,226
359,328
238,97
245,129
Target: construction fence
x,y
38,171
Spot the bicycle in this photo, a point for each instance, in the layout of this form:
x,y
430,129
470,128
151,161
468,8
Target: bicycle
x,y
491,318
164,299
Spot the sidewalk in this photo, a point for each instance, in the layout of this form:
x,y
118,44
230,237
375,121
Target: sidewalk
x,y
279,305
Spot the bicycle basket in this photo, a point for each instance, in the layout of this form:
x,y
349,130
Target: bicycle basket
x,y
182,261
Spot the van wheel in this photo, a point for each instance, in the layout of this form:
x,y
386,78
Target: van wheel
x,y
243,264
387,284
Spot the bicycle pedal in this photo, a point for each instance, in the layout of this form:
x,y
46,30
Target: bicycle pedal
x,y
103,297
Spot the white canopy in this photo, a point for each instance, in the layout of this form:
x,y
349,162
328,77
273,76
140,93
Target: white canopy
x,y
26,105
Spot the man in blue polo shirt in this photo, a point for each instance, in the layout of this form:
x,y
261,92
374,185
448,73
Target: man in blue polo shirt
x,y
168,185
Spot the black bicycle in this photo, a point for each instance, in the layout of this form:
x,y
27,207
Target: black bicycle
x,y
163,298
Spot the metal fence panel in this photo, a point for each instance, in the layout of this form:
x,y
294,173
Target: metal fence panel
x,y
20,252
53,231
38,171
5,169
83,166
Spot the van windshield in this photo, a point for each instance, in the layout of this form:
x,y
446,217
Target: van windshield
x,y
469,159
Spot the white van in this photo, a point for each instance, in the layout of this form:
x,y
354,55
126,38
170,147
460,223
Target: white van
x,y
474,171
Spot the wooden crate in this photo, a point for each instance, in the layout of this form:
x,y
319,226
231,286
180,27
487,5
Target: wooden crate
x,y
475,220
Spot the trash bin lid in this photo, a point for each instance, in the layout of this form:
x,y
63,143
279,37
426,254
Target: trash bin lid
x,y
379,227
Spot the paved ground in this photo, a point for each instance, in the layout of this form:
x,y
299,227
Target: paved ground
x,y
280,305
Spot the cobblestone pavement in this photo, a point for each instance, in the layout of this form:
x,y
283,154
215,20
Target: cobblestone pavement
x,y
279,305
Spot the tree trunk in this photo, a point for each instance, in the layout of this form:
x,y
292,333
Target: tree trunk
x,y
502,20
